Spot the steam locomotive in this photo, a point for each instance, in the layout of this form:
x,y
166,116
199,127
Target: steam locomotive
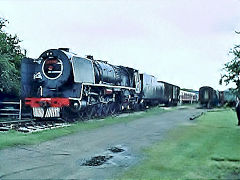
x,y
62,84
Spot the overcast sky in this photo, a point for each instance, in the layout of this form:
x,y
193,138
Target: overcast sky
x,y
184,42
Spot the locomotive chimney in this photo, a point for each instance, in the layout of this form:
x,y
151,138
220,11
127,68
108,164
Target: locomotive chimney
x,y
90,57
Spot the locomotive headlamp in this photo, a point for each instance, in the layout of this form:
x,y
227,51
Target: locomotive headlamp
x,y
52,68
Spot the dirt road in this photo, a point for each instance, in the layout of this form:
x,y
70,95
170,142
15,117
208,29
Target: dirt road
x,y
63,158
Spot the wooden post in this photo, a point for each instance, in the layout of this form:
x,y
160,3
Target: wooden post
x,y
238,111
20,110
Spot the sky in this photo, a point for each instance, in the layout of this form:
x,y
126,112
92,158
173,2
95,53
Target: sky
x,y
183,42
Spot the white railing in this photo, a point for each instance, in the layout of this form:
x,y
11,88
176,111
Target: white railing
x,y
11,108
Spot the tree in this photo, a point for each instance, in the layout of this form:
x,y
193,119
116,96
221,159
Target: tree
x,y
232,73
232,70
10,61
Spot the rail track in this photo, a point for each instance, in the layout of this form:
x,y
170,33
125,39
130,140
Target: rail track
x,y
28,125
31,125
14,119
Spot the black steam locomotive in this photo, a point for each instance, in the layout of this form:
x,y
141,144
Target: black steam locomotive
x,y
61,84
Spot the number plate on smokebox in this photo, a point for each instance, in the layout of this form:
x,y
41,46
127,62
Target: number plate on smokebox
x,y
49,112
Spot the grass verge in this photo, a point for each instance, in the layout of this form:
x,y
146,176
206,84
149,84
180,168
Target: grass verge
x,y
13,138
207,149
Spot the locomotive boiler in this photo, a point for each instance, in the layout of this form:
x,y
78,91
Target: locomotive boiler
x,y
60,83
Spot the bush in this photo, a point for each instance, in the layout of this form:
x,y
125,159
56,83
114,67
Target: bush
x,y
10,61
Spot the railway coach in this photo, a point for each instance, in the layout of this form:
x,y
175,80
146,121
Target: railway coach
x,y
228,97
188,97
208,97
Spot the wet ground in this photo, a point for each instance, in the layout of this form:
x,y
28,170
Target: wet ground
x,y
97,154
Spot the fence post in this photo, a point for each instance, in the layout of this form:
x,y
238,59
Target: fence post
x,y
20,110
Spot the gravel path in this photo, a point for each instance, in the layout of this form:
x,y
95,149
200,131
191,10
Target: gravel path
x,y
63,158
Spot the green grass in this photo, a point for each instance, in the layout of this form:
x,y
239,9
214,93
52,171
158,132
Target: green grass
x,y
207,149
13,138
